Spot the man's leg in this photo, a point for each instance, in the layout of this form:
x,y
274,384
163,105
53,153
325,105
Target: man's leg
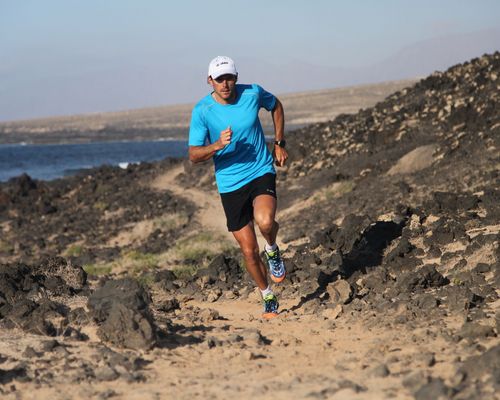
x,y
248,243
250,248
264,212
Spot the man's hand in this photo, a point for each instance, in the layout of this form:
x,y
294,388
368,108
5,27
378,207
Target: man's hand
x,y
280,155
225,138
203,153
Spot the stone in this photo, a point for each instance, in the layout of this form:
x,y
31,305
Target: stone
x,y
126,327
415,380
380,371
471,330
435,389
333,312
106,373
485,364
121,309
339,291
423,278
208,314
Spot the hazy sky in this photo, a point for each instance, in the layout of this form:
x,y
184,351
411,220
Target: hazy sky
x,y
70,57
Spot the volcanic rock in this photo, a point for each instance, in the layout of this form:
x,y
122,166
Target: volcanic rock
x,y
425,277
76,213
61,276
472,330
223,271
461,298
435,389
339,291
121,309
485,364
8,375
23,293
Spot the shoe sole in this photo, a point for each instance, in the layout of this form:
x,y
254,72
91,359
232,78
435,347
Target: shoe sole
x,y
276,279
270,315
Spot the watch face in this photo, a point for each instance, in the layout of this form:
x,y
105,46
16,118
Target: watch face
x,y
280,143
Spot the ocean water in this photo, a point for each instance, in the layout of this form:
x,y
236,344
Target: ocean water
x,y
51,161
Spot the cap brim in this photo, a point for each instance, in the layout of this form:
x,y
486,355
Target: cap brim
x,y
221,72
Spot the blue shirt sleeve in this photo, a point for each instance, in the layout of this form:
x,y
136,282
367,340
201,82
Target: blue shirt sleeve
x,y
198,130
266,99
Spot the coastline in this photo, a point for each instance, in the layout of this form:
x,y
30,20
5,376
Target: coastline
x,y
173,121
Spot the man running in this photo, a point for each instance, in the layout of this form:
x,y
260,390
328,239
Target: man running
x,y
225,126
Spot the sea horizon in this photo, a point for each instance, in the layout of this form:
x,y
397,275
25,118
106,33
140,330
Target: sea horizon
x,y
52,161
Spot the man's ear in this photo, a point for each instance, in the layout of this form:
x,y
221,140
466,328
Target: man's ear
x,y
209,80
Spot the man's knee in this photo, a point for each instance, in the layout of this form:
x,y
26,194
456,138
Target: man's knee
x,y
251,254
265,223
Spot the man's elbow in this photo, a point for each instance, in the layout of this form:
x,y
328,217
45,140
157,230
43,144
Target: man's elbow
x,y
193,157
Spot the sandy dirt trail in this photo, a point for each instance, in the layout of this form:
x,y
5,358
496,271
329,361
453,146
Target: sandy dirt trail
x,y
288,357
239,355
210,214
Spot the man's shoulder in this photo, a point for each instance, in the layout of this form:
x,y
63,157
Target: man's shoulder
x,y
250,91
203,104
248,88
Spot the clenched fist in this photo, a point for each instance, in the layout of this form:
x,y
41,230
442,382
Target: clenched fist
x,y
225,137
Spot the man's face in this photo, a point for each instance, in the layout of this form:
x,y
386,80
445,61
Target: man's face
x,y
224,87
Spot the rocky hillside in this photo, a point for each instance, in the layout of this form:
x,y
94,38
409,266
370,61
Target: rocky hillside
x,y
82,217
402,201
447,125
406,209
390,230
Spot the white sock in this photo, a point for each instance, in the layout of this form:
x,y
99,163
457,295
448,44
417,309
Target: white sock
x,y
271,247
266,291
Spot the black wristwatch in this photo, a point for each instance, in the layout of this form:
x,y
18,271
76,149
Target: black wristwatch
x,y
280,143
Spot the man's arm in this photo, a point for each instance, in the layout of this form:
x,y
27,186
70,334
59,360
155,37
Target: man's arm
x,y
278,114
203,153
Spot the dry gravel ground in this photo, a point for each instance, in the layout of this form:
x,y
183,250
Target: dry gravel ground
x,y
224,349
294,356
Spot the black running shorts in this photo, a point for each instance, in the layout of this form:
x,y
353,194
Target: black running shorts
x,y
238,205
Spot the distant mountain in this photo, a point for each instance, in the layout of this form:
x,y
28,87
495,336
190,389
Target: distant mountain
x,y
416,60
118,85
439,53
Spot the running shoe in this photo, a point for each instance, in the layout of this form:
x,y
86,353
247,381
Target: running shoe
x,y
276,265
270,306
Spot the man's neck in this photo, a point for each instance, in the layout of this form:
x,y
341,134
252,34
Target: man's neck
x,y
220,100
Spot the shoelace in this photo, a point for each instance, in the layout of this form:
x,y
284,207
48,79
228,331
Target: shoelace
x,y
270,305
275,261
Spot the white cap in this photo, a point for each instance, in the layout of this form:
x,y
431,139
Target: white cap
x,y
221,65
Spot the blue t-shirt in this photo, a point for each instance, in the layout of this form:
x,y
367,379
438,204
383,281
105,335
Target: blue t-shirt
x,y
247,156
